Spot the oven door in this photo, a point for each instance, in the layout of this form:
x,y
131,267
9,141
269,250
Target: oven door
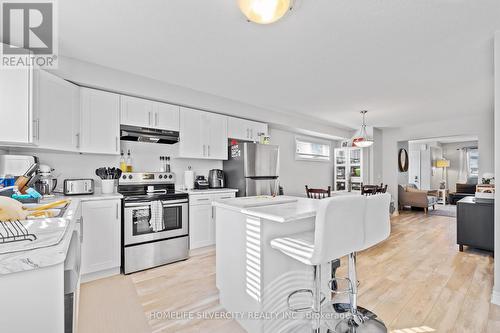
x,y
138,222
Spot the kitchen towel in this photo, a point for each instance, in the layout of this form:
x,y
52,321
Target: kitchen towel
x,y
156,221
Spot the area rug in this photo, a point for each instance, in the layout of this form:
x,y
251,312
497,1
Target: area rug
x,y
448,210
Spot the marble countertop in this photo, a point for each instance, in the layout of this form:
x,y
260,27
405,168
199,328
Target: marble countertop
x,y
277,211
211,191
40,257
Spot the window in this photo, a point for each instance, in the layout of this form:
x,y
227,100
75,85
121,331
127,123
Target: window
x,y
473,161
307,149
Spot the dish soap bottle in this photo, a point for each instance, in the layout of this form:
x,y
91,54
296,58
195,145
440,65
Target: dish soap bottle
x,y
123,164
129,162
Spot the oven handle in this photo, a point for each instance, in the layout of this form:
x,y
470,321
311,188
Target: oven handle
x,y
172,202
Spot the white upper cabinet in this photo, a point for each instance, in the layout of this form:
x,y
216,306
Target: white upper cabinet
x,y
15,105
100,122
56,106
167,117
136,111
145,113
243,129
202,135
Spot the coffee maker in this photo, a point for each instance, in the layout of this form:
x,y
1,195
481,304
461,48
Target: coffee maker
x,y
216,178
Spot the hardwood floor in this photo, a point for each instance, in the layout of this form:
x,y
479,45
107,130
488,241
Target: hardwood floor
x,y
414,281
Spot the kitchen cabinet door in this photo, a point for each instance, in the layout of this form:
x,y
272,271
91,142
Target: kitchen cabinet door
x,y
167,117
217,136
192,143
201,226
57,112
100,122
101,226
15,105
137,111
237,129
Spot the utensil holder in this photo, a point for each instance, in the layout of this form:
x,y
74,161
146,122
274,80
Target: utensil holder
x,y
108,186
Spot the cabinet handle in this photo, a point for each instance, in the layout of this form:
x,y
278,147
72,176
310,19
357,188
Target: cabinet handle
x,y
203,150
156,119
248,133
208,150
117,212
36,129
205,199
78,140
149,118
81,229
251,133
226,197
116,144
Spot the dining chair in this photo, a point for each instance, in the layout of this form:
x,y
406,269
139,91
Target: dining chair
x,y
318,193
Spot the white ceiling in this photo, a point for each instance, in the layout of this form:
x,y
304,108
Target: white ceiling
x,y
405,61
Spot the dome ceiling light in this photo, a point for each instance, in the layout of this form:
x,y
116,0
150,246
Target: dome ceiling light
x,y
265,11
363,140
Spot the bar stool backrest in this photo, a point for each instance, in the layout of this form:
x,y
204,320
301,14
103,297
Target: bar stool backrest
x,y
377,219
338,228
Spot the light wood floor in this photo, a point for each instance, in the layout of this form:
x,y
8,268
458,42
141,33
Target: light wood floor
x,y
417,278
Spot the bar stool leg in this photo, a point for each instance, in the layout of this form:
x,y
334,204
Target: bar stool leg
x,y
316,322
358,321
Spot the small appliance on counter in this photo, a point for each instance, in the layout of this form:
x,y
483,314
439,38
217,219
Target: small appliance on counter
x,y
189,178
201,183
216,178
78,186
46,182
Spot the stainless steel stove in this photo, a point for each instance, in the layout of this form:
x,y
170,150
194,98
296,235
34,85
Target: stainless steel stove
x,y
155,221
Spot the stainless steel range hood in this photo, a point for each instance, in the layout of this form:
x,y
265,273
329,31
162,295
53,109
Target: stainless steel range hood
x,y
151,135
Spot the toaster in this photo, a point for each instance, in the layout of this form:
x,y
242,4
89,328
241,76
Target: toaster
x,y
78,186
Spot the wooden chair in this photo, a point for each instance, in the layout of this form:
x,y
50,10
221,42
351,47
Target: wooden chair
x,y
369,189
382,188
318,193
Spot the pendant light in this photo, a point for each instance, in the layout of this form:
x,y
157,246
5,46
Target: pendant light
x,y
363,141
264,11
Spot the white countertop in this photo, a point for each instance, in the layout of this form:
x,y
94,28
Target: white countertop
x,y
278,209
211,191
50,255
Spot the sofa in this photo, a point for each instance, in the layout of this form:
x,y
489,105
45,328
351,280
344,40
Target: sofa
x,y
462,191
409,195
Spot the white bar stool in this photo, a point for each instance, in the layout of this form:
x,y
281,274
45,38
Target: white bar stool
x,y
377,228
338,232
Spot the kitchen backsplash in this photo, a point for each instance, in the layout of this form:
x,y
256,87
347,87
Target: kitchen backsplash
x,y
145,157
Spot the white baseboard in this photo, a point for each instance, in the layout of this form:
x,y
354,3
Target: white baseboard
x,y
495,297
99,275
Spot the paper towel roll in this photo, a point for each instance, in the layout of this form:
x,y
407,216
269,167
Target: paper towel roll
x,y
189,179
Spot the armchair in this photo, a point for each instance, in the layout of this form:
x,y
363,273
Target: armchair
x,y
410,196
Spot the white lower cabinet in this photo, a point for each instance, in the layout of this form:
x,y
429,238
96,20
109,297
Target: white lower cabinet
x,y
101,232
201,219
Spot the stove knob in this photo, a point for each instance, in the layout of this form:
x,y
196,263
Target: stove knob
x,y
161,177
170,176
130,177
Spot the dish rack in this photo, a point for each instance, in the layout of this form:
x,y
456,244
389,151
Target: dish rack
x,y
14,231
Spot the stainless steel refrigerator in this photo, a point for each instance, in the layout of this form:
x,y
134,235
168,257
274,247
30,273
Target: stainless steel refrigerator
x,y
253,169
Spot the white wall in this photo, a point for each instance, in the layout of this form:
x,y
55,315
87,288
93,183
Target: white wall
x,y
294,175
495,297
479,124
145,157
451,153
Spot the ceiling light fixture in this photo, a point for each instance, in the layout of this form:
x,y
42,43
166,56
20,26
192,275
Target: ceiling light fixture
x,y
265,11
363,141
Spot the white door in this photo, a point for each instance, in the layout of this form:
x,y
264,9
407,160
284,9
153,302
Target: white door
x,y
136,111
237,128
201,228
217,136
57,112
167,117
15,105
192,139
100,122
414,167
101,235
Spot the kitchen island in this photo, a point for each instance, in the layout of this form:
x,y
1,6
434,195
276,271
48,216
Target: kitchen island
x,y
254,279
